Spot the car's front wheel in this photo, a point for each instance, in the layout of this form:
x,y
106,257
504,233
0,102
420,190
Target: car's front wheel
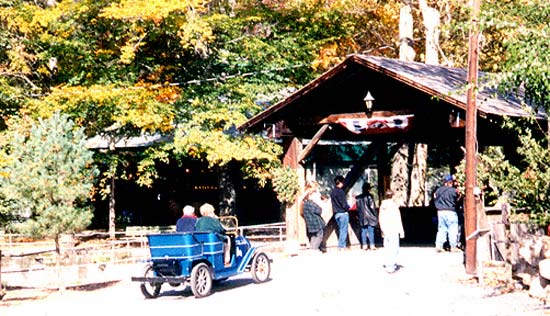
x,y
261,268
201,280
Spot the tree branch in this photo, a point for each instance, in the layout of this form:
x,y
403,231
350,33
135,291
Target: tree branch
x,y
20,76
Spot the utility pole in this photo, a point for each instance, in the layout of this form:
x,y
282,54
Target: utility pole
x,y
470,209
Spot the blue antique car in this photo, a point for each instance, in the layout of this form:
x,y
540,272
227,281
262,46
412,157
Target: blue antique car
x,y
197,259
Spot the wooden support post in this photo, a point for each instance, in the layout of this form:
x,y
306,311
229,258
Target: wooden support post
x,y
2,291
292,213
470,212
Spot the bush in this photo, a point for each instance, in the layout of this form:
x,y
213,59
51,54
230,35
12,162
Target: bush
x,y
285,184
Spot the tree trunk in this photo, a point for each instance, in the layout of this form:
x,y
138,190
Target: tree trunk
x,y
431,18
112,228
418,175
406,47
112,214
227,192
60,280
400,162
400,175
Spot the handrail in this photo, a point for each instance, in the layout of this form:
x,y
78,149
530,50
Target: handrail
x,y
10,244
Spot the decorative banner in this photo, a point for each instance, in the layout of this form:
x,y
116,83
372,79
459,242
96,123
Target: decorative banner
x,y
374,125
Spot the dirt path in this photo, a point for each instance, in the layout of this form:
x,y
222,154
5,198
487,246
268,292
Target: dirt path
x,y
335,283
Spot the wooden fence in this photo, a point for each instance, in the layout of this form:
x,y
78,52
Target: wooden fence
x,y
93,250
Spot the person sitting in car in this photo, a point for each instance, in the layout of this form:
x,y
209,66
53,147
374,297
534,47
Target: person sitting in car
x,y
209,222
187,222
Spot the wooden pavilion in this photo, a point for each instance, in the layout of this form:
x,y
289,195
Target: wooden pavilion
x,y
410,102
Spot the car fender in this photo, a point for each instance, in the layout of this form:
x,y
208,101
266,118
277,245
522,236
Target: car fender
x,y
247,258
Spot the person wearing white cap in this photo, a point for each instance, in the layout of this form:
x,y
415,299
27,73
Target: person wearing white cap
x,y
186,223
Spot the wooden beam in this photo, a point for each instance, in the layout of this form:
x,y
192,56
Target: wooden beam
x,y
356,170
470,208
313,142
292,212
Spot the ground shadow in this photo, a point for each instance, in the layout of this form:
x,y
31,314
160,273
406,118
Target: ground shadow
x,y
168,290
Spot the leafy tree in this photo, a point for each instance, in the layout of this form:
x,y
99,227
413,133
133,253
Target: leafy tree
x,y
515,41
526,187
527,64
47,179
526,69
114,114
193,70
516,36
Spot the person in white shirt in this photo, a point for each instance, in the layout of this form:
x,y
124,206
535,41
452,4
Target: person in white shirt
x,y
389,219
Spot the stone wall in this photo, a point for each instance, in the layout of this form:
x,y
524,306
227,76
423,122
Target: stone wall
x,y
527,250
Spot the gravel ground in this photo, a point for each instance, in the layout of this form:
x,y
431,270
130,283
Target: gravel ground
x,y
352,281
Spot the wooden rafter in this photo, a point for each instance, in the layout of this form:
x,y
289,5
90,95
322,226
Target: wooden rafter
x,y
313,142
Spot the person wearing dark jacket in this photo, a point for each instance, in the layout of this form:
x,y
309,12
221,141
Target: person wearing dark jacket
x,y
209,222
445,199
186,223
340,209
312,213
368,216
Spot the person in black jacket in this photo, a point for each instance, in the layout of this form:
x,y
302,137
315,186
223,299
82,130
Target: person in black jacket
x,y
340,208
368,216
312,213
445,200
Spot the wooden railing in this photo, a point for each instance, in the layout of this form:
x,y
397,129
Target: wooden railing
x,y
274,232
17,245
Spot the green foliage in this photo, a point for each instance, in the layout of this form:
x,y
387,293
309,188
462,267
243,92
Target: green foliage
x,y
193,70
108,110
47,178
494,174
527,187
525,43
224,64
285,184
531,187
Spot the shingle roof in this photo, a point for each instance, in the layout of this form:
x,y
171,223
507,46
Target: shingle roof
x,y
449,84
349,78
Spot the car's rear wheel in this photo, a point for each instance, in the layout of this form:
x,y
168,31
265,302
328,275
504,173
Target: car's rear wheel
x,y
261,268
201,280
150,290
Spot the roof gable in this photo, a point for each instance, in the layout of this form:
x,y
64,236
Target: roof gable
x,y
449,84
429,91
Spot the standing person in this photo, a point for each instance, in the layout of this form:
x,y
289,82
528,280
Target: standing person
x,y
312,211
392,230
445,200
340,208
368,216
461,238
186,223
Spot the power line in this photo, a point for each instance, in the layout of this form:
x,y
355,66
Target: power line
x,y
200,81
